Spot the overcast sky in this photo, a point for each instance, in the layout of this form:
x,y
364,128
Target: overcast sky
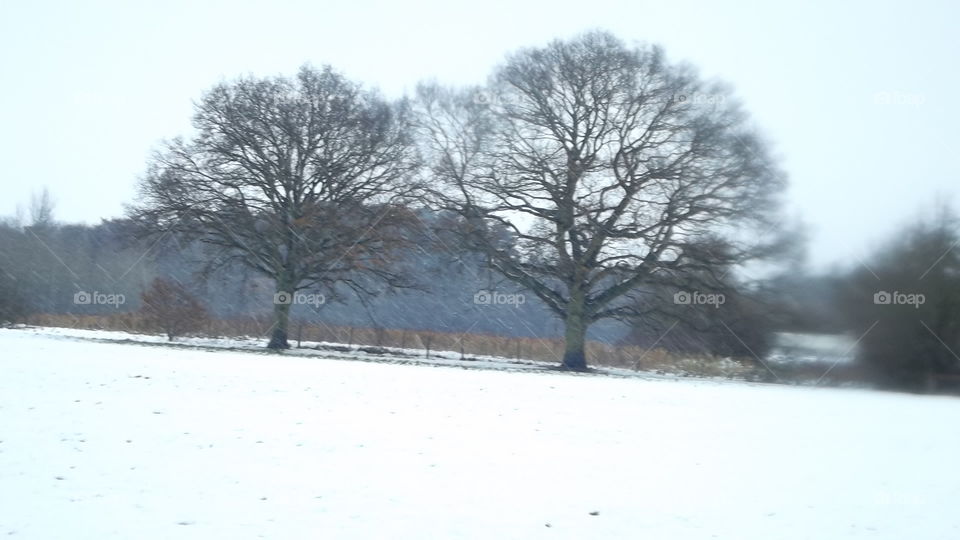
x,y
860,99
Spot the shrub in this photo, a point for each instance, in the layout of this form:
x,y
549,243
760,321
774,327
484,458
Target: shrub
x,y
905,303
169,306
12,305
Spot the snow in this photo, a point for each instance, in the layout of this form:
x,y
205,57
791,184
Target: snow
x,y
805,348
119,440
313,349
724,368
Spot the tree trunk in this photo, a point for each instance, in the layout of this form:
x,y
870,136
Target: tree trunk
x,y
574,355
281,314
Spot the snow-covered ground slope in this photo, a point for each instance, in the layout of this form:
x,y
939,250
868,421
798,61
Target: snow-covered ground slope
x,y
104,440
311,349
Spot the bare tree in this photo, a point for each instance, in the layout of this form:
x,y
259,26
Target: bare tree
x,y
299,179
612,169
41,209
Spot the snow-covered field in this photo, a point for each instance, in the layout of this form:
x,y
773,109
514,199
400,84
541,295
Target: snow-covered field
x,y
105,440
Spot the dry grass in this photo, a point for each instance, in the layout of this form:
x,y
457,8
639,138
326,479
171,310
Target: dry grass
x,y
546,350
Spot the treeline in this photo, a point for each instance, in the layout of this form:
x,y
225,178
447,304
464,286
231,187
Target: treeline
x,y
43,267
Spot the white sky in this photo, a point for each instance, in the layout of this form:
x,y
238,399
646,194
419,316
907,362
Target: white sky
x,y
88,90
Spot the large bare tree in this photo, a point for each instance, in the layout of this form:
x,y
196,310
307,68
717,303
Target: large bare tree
x,y
616,172
300,179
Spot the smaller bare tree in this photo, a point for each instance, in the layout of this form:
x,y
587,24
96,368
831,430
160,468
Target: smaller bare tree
x,y
168,305
41,209
304,180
